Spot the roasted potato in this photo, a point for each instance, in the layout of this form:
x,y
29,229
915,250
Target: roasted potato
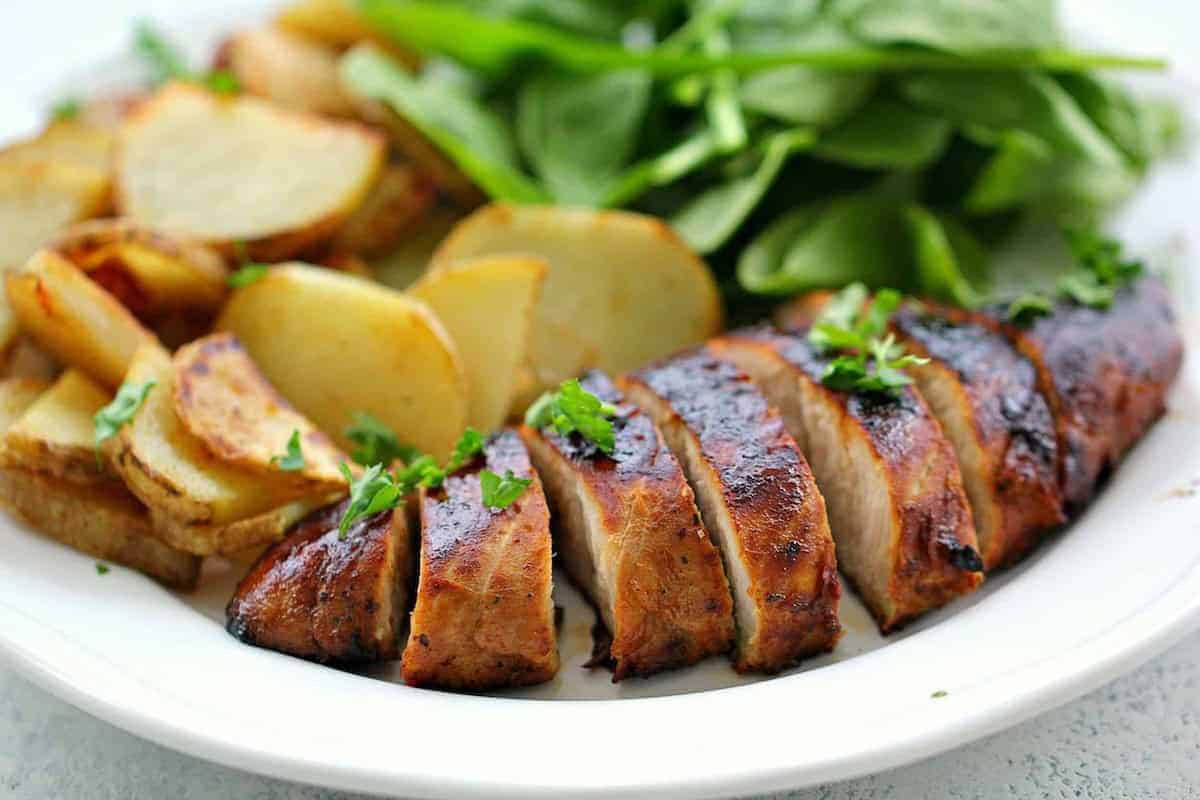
x,y
487,306
334,22
225,402
171,471
23,358
400,200
334,344
17,395
105,522
67,141
290,70
350,263
227,170
56,435
39,199
74,319
151,273
233,538
622,289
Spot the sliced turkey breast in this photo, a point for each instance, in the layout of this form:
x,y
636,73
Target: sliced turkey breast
x,y
629,534
484,617
759,501
985,395
325,598
896,502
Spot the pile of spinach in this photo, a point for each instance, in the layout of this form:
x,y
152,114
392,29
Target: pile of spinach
x,y
796,143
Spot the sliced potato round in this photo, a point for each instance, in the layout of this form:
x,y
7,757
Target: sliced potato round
x,y
74,319
622,289
295,72
226,170
150,272
66,141
487,305
171,471
39,199
17,395
225,402
334,344
400,200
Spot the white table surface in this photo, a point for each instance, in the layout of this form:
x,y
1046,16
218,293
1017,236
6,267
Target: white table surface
x,y
1136,738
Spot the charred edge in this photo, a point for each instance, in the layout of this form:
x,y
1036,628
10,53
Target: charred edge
x,y
962,556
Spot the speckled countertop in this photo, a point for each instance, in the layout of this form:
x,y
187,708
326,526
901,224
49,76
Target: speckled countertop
x,y
1137,738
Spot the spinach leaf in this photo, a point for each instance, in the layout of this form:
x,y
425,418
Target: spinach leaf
x,y
947,257
859,237
722,105
474,138
1138,129
667,167
952,25
579,132
1014,173
886,134
710,219
1027,101
803,96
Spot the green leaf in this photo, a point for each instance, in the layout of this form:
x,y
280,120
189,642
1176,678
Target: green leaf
x,y
689,155
499,493
423,471
859,237
1013,175
247,274
470,135
164,61
374,491
573,409
886,134
293,459
222,81
1086,289
954,25
469,445
710,219
947,257
804,96
376,442
1024,309
579,132
722,106
1136,127
67,108
120,411
102,569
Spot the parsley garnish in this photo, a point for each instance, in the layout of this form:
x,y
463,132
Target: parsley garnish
x,y
1028,307
470,444
940,693
247,274
101,569
869,361
377,443
167,63
67,108
124,405
573,409
1100,268
372,493
500,493
293,460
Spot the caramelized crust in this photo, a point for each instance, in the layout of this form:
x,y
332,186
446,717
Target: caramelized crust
x,y
896,502
758,498
484,617
985,395
1105,373
628,532
327,599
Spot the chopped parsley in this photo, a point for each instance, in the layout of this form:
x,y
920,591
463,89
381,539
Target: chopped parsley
x,y
222,81
867,360
67,108
166,63
102,569
376,442
247,274
124,405
293,460
373,492
1100,270
1028,307
573,409
470,444
500,493
940,693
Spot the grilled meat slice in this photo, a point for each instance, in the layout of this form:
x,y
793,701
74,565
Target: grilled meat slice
x,y
984,393
1105,373
628,532
327,599
757,497
484,617
896,503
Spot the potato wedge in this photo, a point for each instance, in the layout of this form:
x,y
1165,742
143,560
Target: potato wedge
x,y
290,70
151,273
407,261
56,435
17,395
350,263
335,23
171,471
622,289
226,170
24,359
39,199
334,344
230,539
224,401
400,200
105,522
74,319
66,141
487,305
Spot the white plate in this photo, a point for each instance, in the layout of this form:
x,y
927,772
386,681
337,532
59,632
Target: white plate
x,y
1121,585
